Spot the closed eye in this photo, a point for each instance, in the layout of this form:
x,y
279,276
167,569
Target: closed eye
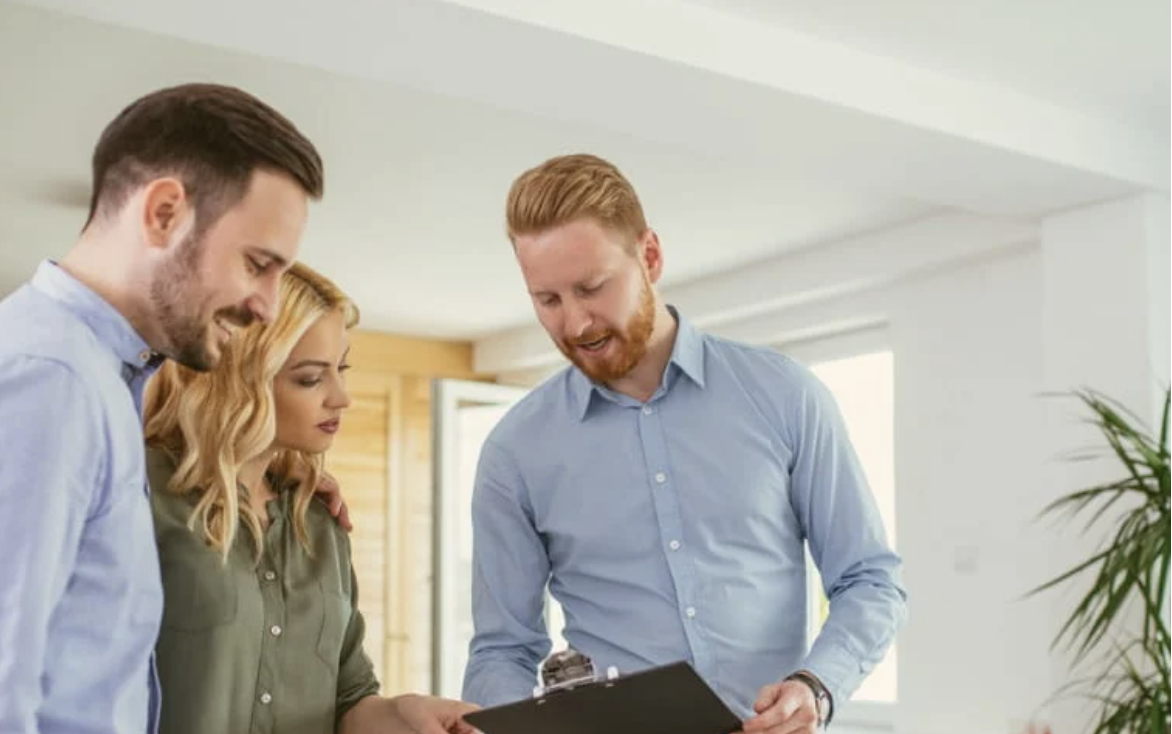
x,y
256,267
591,290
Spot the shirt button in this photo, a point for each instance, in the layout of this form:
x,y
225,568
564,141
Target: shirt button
x,y
648,410
270,576
691,612
661,477
674,545
266,698
145,355
275,630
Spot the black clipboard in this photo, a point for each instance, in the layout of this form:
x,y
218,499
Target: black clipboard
x,y
671,699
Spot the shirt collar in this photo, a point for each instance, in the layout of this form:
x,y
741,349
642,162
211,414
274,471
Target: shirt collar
x,y
687,358
111,327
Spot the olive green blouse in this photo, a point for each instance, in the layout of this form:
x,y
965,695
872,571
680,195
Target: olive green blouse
x,y
248,648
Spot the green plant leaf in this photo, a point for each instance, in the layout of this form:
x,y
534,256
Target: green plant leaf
x,y
1128,572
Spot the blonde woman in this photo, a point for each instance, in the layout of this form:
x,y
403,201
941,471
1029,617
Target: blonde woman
x,y
261,630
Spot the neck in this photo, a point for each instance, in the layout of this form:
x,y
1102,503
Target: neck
x,y
642,381
252,476
99,261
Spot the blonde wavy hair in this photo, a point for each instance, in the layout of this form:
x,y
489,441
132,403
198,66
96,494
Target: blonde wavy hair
x,y
212,423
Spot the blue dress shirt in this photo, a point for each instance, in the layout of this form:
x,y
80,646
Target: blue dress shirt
x,y
675,529
80,595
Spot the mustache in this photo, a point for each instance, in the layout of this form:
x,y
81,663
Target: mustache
x,y
590,338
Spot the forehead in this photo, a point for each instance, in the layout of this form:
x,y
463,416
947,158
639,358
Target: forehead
x,y
270,216
325,339
569,253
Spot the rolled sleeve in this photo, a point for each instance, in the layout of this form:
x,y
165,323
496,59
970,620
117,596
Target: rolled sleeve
x,y
356,678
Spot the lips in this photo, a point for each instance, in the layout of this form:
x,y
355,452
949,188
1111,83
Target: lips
x,y
330,427
592,346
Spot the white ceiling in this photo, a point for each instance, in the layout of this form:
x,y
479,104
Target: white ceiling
x,y
412,221
425,110
1096,57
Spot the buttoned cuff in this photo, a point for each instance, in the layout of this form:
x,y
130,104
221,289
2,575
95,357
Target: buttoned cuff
x,y
838,670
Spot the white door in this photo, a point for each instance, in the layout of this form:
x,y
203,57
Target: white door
x,y
463,414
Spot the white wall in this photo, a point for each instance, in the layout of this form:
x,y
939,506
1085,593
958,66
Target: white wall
x,y
968,367
1105,325
1158,220
980,450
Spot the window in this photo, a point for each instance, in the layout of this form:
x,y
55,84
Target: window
x,y
859,371
464,413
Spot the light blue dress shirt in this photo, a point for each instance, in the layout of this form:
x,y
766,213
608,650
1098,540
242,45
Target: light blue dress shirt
x,y
675,530
80,594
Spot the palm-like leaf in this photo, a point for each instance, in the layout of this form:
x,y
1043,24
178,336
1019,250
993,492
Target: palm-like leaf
x,y
1131,569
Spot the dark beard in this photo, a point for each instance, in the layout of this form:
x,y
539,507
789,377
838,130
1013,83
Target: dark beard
x,y
178,302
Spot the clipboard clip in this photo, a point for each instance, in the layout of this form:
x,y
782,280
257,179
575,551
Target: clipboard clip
x,y
567,670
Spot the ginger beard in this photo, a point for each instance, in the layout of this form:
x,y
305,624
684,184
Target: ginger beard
x,y
606,355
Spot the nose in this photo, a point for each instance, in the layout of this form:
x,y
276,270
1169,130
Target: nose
x,y
265,303
577,319
338,397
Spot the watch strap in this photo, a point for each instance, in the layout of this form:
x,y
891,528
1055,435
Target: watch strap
x,y
822,695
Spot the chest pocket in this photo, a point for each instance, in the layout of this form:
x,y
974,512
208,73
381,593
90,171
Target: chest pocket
x,y
199,591
335,618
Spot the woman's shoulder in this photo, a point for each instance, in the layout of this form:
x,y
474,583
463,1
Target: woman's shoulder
x,y
331,554
160,469
324,526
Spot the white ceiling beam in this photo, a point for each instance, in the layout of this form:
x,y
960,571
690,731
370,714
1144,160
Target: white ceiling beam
x,y
748,303
707,82
818,70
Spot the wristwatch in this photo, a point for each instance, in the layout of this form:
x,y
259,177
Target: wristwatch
x,y
822,699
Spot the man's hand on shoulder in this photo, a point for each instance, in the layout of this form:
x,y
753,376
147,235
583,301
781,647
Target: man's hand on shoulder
x,y
329,493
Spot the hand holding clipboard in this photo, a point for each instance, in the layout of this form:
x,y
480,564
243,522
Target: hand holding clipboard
x,y
670,699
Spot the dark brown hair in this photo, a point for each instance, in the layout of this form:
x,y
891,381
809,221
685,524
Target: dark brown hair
x,y
211,137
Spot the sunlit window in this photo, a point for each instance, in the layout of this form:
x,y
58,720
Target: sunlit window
x,y
863,386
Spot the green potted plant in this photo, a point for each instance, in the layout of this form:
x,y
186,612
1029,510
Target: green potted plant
x,y
1129,682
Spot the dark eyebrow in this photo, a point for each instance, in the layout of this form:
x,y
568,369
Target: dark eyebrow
x,y
272,256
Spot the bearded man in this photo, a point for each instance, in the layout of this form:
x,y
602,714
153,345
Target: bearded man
x,y
665,484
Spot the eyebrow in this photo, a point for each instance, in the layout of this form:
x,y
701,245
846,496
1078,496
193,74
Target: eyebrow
x,y
321,364
274,257
588,281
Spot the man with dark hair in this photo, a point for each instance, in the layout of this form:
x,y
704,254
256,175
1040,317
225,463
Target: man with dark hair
x,y
200,195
